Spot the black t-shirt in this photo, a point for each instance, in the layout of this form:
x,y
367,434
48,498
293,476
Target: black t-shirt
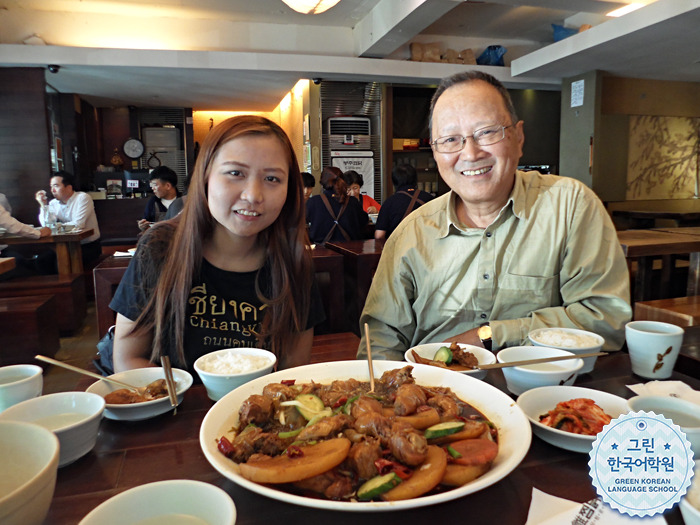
x,y
223,309
353,220
392,211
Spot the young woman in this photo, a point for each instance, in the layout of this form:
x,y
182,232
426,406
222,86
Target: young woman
x,y
232,269
334,215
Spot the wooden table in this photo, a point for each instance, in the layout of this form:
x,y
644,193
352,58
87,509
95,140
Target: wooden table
x,y
643,246
7,264
360,260
66,245
647,218
167,447
108,274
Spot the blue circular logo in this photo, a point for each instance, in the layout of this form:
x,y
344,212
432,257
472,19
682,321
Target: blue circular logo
x,y
641,464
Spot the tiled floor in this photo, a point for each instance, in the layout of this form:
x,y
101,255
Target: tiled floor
x,y
78,350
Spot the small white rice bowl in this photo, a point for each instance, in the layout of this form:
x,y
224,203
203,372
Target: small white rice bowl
x,y
571,339
225,370
690,504
73,416
175,501
19,383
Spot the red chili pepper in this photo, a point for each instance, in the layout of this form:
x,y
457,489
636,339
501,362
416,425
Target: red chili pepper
x,y
341,401
288,382
384,466
225,447
294,452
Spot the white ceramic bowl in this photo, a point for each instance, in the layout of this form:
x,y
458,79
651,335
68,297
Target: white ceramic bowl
x,y
29,463
539,401
427,351
571,339
175,502
18,383
690,503
522,378
141,377
512,426
73,416
683,413
218,384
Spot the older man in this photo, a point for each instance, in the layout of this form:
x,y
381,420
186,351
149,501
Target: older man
x,y
72,208
504,251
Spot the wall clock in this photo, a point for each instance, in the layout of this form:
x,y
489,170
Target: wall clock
x,y
133,148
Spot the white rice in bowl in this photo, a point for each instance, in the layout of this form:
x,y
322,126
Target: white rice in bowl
x,y
564,339
233,363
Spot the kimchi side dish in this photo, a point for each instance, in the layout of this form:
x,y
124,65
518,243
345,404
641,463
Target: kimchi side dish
x,y
579,416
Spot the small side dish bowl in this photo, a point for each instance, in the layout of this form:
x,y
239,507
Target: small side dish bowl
x,y
29,465
683,413
73,416
225,370
570,339
539,401
172,501
522,378
19,383
141,377
427,351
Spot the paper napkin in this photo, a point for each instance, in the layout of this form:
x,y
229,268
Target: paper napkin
x,y
546,509
666,388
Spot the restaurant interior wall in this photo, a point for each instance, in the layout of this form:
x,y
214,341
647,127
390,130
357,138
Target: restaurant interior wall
x,y
24,139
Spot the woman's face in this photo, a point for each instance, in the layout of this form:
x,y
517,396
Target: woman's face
x,y
354,190
247,185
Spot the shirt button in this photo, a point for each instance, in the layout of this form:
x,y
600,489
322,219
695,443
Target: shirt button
x,y
486,276
483,316
488,234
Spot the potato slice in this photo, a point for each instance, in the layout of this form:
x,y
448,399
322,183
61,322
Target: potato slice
x,y
421,420
316,460
424,478
458,475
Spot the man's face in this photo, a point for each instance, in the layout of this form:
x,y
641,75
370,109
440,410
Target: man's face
x,y
59,190
481,175
162,189
308,190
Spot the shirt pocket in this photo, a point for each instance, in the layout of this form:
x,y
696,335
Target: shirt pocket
x,y
533,291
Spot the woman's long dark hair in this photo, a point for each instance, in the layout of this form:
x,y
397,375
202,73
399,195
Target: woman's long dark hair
x,y
332,180
287,295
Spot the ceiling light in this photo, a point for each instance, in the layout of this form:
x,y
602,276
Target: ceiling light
x,y
311,7
624,10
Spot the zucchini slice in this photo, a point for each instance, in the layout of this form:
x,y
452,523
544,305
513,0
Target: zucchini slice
x,y
443,429
377,486
443,354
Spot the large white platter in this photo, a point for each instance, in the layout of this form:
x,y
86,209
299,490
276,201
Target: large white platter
x,y
541,400
513,427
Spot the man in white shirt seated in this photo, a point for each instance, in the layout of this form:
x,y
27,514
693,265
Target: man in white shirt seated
x,y
164,185
70,207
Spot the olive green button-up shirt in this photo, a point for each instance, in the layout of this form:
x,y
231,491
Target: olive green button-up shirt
x,y
551,258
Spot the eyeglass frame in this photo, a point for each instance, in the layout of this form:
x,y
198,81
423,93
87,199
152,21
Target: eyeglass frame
x,y
473,137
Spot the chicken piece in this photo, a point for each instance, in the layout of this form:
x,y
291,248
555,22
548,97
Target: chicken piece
x,y
279,392
407,444
463,357
244,444
156,389
123,396
392,379
332,394
409,397
257,410
374,424
423,361
326,427
362,456
445,405
331,484
363,405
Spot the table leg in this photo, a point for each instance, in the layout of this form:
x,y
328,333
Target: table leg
x,y
63,258
642,283
694,274
76,257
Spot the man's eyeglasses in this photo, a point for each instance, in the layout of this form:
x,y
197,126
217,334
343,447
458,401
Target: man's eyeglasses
x,y
483,137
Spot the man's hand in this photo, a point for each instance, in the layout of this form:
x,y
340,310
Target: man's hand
x,y
40,197
144,225
470,337
44,232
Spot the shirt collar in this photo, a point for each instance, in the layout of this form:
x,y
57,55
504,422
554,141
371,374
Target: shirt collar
x,y
516,204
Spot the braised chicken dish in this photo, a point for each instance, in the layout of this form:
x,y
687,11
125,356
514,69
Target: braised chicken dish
x,y
124,396
579,416
340,441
